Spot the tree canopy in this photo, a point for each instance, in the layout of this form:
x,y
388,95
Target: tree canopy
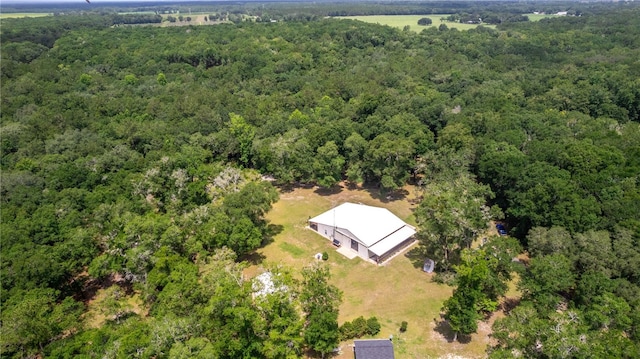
x,y
139,156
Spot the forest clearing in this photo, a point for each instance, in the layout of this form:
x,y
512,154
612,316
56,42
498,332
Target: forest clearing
x,y
394,292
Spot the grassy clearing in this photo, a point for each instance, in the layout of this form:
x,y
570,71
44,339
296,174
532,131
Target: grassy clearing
x,y
292,249
394,292
137,13
400,21
538,17
95,316
23,14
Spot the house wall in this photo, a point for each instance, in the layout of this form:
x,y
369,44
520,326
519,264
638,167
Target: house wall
x,y
363,251
344,240
325,231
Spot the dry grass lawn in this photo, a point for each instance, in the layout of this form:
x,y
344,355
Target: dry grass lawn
x,y
394,292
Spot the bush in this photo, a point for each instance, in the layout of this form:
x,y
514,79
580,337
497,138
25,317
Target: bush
x,y
359,327
346,331
325,256
403,326
424,21
373,326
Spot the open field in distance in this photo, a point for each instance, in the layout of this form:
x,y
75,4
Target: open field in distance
x,y
23,14
400,21
538,17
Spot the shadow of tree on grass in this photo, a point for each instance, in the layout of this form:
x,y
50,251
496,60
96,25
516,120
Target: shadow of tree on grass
x,y
508,304
417,256
254,258
443,328
386,196
271,230
324,191
86,287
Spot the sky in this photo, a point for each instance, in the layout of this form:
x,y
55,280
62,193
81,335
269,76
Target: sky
x,y
78,1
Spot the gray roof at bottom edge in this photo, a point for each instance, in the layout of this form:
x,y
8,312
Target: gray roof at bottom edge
x,y
373,349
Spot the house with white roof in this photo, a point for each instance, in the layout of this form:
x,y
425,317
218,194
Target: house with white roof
x,y
374,233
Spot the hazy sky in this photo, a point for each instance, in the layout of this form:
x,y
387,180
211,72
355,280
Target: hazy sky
x,y
72,1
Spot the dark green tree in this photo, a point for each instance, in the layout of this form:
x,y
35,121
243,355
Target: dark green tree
x,y
328,165
450,216
320,301
31,319
244,134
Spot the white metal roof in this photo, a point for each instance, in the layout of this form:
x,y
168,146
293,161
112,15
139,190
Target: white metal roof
x,y
369,224
392,240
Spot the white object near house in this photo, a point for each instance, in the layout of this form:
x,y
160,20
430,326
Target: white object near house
x,y
263,285
429,265
373,232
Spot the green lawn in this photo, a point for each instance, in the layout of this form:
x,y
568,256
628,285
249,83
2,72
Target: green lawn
x,y
538,17
23,14
394,292
400,21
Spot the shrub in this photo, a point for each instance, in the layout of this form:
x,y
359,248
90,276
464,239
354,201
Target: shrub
x,y
403,326
359,327
346,331
373,326
325,256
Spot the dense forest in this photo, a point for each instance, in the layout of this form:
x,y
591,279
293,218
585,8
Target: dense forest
x,y
138,155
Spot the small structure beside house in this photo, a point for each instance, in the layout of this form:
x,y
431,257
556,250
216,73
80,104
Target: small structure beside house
x,y
374,233
373,349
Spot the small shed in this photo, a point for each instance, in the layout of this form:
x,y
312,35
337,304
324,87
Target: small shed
x,y
373,349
